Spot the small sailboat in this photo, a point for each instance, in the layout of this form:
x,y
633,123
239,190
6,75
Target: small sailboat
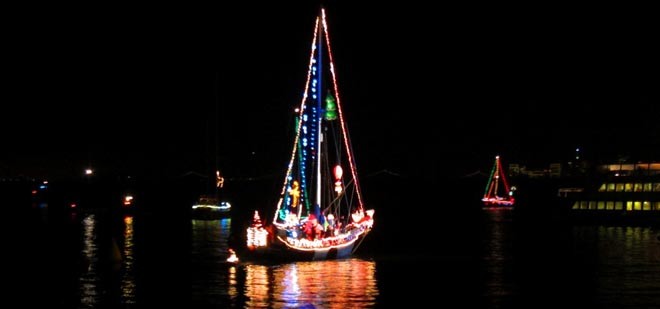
x,y
498,194
210,206
320,213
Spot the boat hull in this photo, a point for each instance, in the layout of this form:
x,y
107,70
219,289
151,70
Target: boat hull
x,y
211,211
281,254
497,203
209,215
279,251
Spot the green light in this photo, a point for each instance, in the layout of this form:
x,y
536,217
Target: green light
x,y
330,108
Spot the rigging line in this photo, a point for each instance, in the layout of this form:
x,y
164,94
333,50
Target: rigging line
x,y
490,179
301,111
334,200
359,242
339,109
383,171
506,184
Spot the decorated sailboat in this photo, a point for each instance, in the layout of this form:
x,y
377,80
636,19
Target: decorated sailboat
x,y
211,206
498,193
320,213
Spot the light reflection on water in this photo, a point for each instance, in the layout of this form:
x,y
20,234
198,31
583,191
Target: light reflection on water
x,y
209,252
347,283
128,264
596,265
527,263
325,284
627,260
107,264
89,277
328,284
497,255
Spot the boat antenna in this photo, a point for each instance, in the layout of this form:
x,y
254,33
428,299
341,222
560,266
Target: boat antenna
x,y
215,130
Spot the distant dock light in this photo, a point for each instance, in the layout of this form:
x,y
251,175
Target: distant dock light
x,y
89,171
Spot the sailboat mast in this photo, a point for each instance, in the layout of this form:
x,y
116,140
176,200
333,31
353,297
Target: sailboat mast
x,y
216,172
497,174
319,100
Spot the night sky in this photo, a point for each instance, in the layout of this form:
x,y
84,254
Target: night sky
x,y
137,91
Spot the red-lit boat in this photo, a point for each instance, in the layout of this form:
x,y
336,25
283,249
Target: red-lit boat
x,y
498,194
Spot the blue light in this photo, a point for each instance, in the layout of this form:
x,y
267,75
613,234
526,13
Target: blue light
x,y
313,96
42,187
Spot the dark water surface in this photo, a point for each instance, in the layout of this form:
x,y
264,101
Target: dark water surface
x,y
481,258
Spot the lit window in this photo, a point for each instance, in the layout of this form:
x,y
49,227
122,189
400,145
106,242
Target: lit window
x,y
609,205
646,205
618,205
648,187
619,187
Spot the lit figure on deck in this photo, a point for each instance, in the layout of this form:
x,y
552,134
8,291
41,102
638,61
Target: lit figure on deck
x,y
219,180
295,194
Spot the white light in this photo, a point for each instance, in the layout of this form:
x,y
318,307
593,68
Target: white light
x,y
88,171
